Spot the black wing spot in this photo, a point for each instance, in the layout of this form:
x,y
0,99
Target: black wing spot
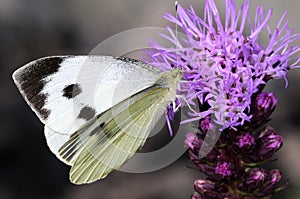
x,y
71,91
87,113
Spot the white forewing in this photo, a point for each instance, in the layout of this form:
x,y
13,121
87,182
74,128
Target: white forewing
x,y
67,91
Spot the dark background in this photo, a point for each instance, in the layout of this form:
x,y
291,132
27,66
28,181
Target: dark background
x,y
35,28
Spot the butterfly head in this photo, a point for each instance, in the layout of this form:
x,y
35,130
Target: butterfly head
x,y
171,80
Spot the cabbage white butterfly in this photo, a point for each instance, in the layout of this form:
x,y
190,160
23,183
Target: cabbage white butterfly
x,y
97,110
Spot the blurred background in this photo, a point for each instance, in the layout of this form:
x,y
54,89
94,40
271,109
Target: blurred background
x,y
36,28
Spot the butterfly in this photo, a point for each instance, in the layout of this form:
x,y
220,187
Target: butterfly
x,y
97,110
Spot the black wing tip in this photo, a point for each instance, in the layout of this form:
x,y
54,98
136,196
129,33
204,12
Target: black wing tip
x,y
30,80
24,72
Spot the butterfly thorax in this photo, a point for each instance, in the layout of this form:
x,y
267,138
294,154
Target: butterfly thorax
x,y
170,80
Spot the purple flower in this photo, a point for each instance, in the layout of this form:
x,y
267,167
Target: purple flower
x,y
224,67
225,71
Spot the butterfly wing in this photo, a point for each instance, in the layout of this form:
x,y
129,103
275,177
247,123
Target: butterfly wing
x,y
119,137
67,91
90,120
68,147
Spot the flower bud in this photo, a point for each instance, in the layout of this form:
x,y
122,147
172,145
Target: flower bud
x,y
224,169
269,143
205,124
263,107
275,176
203,185
209,188
205,168
195,143
254,179
270,185
246,141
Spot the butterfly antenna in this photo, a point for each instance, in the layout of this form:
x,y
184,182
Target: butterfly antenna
x,y
176,32
187,103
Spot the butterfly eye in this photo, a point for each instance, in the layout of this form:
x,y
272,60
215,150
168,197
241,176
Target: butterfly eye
x,y
176,73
